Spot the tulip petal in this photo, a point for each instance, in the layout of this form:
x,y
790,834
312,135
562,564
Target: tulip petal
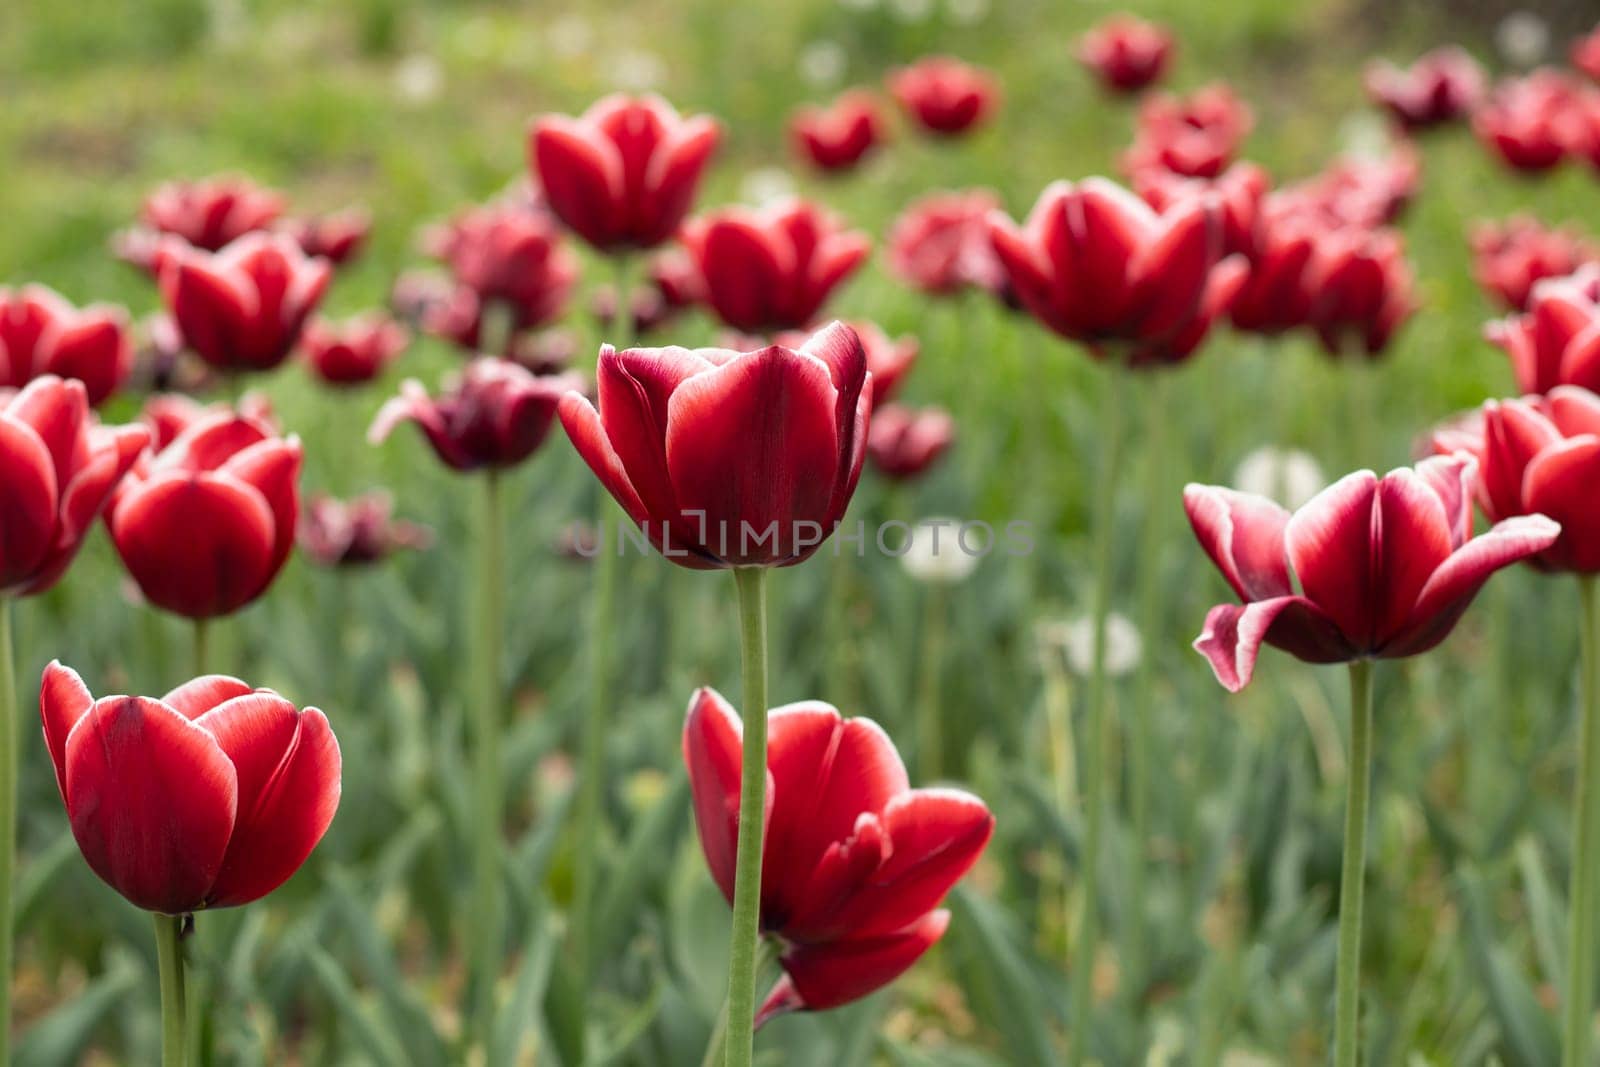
x,y
581,177
1233,633
748,274
635,388
194,698
1244,536
84,499
713,740
63,700
1574,411
818,977
272,469
588,436
1563,483
1414,539
1171,272
1330,547
27,500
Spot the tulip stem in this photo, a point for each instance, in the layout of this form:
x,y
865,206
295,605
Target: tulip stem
x,y
1094,752
8,814
1353,868
487,714
1581,902
169,961
752,805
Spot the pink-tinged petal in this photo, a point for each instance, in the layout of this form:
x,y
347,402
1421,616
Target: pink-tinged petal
x,y
1563,483
581,176
27,500
1330,543
1452,478
713,740
209,443
272,468
1233,634
288,771
1244,536
635,388
151,798
63,700
582,423
1452,587
825,976
194,698
1580,363
414,405
1414,539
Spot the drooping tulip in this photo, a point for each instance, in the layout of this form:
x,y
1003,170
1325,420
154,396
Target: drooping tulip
x,y
356,532
839,136
206,524
1384,568
354,351
855,861
624,174
337,237
1532,123
41,333
1557,340
945,96
210,797
495,415
905,442
57,471
730,459
940,244
242,309
1510,258
1440,87
772,269
1197,136
1127,53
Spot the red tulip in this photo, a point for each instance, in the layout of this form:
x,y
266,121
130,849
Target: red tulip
x,y
1585,54
1197,136
1557,340
772,269
888,359
362,530
1361,290
1276,297
354,351
40,333
167,415
1441,86
1360,192
729,459
1384,567
211,213
243,308
623,175
1238,191
940,244
1096,264
211,797
337,237
839,136
508,256
57,470
1127,53
1532,123
944,95
1510,257
206,524
905,442
675,277
496,415
855,861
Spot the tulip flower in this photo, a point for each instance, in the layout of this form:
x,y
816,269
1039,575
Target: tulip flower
x,y
888,359
509,261
1238,191
211,797
622,176
729,459
1584,54
211,213
337,237
1355,191
1532,123
40,333
905,442
836,790
1363,290
1197,136
357,532
1127,53
242,308
354,351
1510,257
207,523
1557,340
940,244
772,269
1441,86
1276,296
838,137
945,96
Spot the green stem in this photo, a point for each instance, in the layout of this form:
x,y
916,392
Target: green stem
x,y
488,714
1353,869
8,814
1581,901
169,961
202,646
716,1048
930,733
752,803
1094,751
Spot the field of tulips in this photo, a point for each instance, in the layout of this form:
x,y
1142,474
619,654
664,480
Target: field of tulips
x,y
1109,424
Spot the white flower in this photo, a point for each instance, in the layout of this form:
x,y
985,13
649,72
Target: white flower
x,y
822,64
1287,475
1523,38
762,187
967,12
934,552
1124,646
418,79
637,70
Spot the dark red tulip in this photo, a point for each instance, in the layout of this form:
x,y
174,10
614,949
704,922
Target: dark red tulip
x,y
730,459
1510,257
211,797
1098,265
675,277
242,309
1127,53
508,257
337,237
772,269
1197,135
358,531
1361,290
211,213
839,136
854,862
205,525
1384,568
40,333
944,95
495,415
1238,191
1557,340
888,359
623,175
940,244
353,351
1276,295
1441,86
57,471
1532,123
904,442
1585,54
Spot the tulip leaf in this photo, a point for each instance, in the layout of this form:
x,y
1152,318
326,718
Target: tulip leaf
x,y
997,978
1527,1034
378,1040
